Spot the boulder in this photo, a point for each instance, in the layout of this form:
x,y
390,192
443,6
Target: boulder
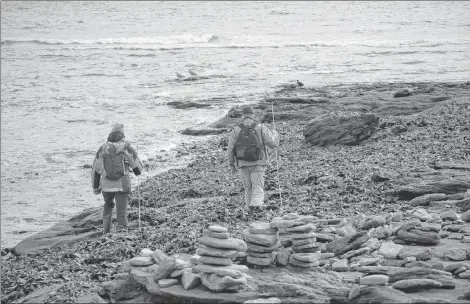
x,y
402,93
260,239
216,252
261,228
345,244
416,284
165,268
449,215
464,275
421,254
282,258
222,283
190,280
373,221
454,266
422,215
390,250
455,254
340,265
330,129
146,252
81,227
230,243
159,256
450,186
381,294
375,279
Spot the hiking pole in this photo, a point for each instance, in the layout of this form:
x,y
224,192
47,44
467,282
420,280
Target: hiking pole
x,y
277,163
138,190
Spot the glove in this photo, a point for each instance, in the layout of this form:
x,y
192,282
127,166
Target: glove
x,y
96,190
233,169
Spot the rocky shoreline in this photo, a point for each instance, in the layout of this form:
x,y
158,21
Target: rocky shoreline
x,y
369,161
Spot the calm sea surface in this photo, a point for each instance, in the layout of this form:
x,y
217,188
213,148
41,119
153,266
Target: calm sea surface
x,y
70,69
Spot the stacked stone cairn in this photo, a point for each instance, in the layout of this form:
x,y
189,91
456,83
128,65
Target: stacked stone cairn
x,y
214,264
298,232
262,242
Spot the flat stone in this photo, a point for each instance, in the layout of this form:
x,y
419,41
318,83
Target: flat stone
x,y
218,283
418,236
142,261
218,235
146,252
461,269
327,255
307,257
260,239
298,263
261,228
416,284
165,268
260,254
279,222
216,252
263,301
341,266
159,256
353,253
182,264
216,228
354,292
325,237
449,215
301,236
215,260
465,239
369,261
425,199
306,246
190,280
167,282
372,243
302,228
398,274
373,222
455,254
179,272
421,254
231,243
394,263
260,261
300,242
390,250
346,230
258,248
422,215
375,279
234,270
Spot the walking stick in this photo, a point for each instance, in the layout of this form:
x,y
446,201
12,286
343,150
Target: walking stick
x,y
138,190
277,164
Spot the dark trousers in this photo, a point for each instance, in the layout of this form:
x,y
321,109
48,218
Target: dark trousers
x,y
121,199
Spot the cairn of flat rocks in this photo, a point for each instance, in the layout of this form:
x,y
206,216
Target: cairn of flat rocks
x,y
262,242
214,262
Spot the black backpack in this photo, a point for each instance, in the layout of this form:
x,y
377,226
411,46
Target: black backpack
x,y
248,145
113,163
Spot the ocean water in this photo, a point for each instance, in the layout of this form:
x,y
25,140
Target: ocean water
x,y
70,69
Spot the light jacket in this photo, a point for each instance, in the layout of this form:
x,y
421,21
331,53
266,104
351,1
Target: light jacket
x,y
269,139
131,160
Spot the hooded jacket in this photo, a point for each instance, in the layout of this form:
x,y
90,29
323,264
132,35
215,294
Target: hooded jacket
x,y
269,139
131,160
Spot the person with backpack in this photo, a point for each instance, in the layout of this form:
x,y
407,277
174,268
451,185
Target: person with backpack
x,y
247,150
110,175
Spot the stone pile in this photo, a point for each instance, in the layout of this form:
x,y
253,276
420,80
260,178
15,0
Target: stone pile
x,y
298,232
262,242
214,263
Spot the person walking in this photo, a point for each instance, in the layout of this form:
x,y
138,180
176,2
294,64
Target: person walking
x,y
110,176
247,151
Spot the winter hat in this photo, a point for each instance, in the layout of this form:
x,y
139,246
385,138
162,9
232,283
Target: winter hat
x,y
118,128
248,110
